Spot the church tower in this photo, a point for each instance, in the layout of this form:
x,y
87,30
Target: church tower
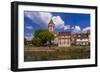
x,y
51,26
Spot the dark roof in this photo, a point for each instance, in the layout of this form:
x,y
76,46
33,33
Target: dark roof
x,y
64,34
82,35
73,34
51,22
88,31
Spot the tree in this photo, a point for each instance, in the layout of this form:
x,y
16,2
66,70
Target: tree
x,y
41,37
36,41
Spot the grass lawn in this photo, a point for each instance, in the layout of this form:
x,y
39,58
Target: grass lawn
x,y
56,53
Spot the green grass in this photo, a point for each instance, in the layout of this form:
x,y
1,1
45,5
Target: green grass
x,y
57,53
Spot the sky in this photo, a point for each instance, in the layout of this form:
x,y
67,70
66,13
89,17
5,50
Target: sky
x,y
64,22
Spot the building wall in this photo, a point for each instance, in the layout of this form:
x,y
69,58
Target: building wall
x,y
83,41
56,40
51,29
64,41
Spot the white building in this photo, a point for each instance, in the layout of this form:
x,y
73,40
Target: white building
x,y
82,39
66,39
62,39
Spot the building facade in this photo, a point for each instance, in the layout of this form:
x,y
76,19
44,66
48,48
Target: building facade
x,y
61,39
82,39
66,39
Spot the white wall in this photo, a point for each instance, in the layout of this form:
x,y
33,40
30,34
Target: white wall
x,y
5,17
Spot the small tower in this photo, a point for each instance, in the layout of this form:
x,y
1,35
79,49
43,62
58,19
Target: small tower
x,y
51,26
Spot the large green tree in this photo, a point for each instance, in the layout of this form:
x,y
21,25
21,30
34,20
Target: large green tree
x,y
42,37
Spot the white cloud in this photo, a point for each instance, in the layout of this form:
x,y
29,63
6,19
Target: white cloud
x,y
59,23
66,27
85,29
29,36
41,18
76,29
72,28
28,27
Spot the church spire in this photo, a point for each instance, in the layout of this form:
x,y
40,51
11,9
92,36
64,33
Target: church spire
x,y
51,26
51,22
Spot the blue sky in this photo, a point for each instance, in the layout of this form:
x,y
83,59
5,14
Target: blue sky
x,y
73,22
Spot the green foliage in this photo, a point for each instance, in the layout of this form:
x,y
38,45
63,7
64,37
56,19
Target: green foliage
x,y
36,41
41,37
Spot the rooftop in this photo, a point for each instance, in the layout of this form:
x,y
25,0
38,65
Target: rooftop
x,y
64,33
51,22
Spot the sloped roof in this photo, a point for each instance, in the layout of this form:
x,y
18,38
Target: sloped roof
x,y
82,35
51,22
64,34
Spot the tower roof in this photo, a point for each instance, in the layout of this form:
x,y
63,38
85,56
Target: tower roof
x,y
51,22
